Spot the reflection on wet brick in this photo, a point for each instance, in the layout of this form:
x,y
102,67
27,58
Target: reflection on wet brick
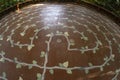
x,y
59,42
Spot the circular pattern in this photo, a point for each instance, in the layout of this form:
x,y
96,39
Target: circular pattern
x,y
59,42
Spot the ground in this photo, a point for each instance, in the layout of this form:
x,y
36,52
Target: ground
x,y
59,42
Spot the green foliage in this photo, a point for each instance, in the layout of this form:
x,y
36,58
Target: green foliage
x,y
8,3
112,5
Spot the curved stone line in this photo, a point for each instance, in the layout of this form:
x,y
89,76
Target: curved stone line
x,y
46,57
45,67
3,78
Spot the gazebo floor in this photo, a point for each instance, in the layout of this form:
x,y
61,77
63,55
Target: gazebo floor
x,y
59,42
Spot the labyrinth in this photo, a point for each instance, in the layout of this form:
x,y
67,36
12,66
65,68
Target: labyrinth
x,y
59,42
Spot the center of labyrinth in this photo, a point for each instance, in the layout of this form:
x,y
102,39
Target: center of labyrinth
x,y
58,42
